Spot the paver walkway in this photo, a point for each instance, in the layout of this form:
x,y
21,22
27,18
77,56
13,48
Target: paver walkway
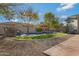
x,y
69,47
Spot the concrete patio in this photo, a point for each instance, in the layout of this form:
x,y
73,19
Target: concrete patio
x,y
69,47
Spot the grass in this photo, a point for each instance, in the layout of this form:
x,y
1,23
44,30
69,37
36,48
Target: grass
x,y
41,36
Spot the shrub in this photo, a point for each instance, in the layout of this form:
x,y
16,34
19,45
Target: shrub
x,y
39,29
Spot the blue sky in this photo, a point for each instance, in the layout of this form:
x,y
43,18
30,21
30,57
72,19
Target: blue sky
x,y
61,10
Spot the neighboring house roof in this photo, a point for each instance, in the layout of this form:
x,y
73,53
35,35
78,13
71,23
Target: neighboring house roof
x,y
15,24
43,25
73,17
18,26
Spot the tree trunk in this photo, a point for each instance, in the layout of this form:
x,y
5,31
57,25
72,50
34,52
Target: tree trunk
x,y
29,18
27,30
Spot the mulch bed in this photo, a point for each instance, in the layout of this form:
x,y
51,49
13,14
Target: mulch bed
x,y
11,47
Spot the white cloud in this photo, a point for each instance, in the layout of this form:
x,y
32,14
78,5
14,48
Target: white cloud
x,y
65,6
14,20
63,16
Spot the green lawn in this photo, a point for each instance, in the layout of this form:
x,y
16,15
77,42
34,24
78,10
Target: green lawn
x,y
41,36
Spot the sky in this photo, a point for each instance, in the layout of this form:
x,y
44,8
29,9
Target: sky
x,y
61,10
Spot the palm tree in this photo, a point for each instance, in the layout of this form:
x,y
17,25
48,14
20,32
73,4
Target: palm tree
x,y
28,15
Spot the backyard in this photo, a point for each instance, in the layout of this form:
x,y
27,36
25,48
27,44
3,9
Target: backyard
x,y
10,46
29,30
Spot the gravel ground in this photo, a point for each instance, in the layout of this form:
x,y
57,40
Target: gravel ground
x,y
11,47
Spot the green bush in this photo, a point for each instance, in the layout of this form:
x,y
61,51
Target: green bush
x,y
39,29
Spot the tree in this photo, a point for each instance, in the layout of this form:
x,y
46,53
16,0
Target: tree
x,y
28,15
51,21
7,12
56,23
48,18
68,20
